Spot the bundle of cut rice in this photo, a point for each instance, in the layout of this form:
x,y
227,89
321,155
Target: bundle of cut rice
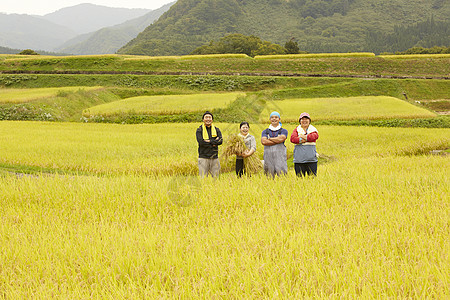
x,y
235,146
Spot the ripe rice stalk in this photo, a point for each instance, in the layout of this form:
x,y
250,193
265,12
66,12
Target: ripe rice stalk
x,y
315,55
235,146
414,56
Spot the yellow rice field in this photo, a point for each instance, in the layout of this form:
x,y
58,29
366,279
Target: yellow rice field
x,y
172,148
139,57
165,104
374,223
351,108
365,228
109,211
415,56
315,55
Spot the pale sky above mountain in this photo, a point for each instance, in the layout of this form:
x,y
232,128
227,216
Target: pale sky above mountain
x,y
43,7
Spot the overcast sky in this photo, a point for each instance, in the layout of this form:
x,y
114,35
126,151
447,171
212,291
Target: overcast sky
x,y
42,7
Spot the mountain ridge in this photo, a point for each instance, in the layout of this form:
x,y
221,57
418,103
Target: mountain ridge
x,y
108,40
87,17
23,31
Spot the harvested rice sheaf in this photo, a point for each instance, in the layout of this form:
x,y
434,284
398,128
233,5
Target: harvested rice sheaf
x,y
235,146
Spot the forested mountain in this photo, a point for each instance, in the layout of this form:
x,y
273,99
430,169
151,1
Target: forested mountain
x,y
423,34
317,25
6,50
109,39
86,17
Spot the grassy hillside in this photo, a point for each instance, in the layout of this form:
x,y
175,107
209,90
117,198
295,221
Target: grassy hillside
x,y
60,104
28,95
276,87
318,26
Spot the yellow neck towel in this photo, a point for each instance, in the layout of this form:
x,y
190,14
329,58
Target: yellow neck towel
x,y
213,132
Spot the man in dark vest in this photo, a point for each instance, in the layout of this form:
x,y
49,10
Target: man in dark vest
x,y
209,138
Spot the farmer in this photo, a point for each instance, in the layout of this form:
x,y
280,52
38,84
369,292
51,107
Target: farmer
x,y
209,138
275,157
250,142
305,155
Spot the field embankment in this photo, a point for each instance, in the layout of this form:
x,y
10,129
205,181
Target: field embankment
x,y
438,67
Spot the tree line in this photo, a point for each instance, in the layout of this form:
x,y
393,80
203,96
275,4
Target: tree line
x,y
427,34
252,46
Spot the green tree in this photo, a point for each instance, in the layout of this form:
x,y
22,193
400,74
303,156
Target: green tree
x,y
239,43
424,34
268,48
28,52
291,47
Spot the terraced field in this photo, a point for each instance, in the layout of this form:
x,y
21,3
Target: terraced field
x,y
117,211
351,108
164,105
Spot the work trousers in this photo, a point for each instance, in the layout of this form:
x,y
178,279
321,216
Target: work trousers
x,y
305,169
208,166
